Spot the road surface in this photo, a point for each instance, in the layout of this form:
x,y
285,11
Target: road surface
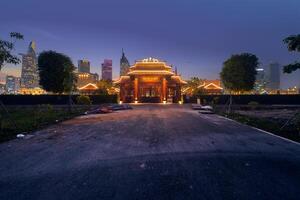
x,y
150,152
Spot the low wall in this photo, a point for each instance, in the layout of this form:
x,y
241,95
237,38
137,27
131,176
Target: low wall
x,y
245,99
53,99
100,99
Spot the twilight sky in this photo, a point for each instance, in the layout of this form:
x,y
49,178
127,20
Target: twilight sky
x,y
194,35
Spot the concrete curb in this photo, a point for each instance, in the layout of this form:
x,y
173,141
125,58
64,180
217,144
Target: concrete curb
x,y
269,133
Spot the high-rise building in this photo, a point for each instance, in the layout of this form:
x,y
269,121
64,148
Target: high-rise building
x,y
124,65
260,82
84,66
29,74
2,78
273,76
12,84
2,88
107,70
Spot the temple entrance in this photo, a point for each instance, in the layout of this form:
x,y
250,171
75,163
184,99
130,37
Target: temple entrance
x,y
150,80
150,93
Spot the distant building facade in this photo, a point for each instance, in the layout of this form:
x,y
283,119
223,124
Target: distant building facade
x,y
32,91
211,86
273,77
12,84
2,88
205,87
107,70
84,66
124,65
2,78
260,81
291,90
29,73
86,78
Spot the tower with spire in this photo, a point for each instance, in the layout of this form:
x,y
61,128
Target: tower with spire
x,y
29,74
124,64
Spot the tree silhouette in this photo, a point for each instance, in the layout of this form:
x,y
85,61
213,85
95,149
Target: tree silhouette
x,y
56,72
6,48
293,44
239,71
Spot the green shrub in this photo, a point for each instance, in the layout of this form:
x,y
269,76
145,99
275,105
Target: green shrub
x,y
83,100
253,105
49,107
216,100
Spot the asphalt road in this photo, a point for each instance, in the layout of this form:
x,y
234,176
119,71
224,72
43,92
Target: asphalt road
x,y
150,152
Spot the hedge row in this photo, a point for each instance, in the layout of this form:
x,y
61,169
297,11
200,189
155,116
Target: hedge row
x,y
99,99
245,99
53,99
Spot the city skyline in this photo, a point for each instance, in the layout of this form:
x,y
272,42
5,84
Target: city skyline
x,y
194,36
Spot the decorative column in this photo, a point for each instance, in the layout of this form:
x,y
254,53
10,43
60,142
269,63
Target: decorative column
x,y
178,93
164,89
121,93
136,89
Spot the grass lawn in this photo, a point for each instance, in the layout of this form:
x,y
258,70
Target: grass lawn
x,y
273,125
22,119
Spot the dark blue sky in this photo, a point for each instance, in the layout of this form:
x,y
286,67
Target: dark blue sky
x,y
194,35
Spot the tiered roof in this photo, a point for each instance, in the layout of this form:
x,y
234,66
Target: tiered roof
x,y
150,66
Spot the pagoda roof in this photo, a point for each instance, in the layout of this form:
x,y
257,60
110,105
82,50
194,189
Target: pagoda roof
x,y
211,84
89,86
178,78
150,63
150,72
150,66
121,79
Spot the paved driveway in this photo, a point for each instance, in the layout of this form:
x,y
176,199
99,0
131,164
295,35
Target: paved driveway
x,y
150,152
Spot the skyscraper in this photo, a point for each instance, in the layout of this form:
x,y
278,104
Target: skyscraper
x,y
273,76
2,78
260,81
2,82
29,74
84,66
107,70
12,84
124,65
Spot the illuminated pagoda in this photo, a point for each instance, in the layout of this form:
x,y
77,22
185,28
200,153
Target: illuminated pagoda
x,y
150,80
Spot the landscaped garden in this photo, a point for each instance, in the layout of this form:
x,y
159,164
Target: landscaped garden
x,y
24,119
284,122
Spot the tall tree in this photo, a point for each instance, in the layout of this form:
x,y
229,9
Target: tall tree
x,y
6,49
56,72
239,71
293,44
